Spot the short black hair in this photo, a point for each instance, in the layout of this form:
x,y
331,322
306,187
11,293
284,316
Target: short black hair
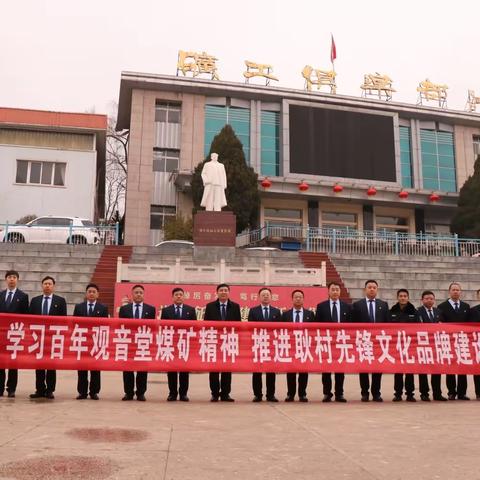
x,y
262,289
48,277
371,281
12,272
92,285
177,289
329,284
298,290
427,292
138,286
402,290
454,283
221,285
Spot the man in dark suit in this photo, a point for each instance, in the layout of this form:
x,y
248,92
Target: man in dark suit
x,y
264,312
430,314
404,312
222,309
297,314
455,311
178,311
53,305
371,310
333,310
12,300
136,309
475,317
90,308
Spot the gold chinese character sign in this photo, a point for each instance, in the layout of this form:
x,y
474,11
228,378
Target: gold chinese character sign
x,y
259,70
430,91
319,78
375,84
197,64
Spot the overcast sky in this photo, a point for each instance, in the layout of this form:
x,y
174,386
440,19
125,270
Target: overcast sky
x,y
68,56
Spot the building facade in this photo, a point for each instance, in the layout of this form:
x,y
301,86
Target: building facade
x,y
53,163
292,137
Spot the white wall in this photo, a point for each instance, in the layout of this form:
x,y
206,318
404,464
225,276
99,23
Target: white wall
x,y
76,198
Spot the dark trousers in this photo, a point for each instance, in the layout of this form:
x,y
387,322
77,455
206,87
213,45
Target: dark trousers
x,y
11,381
257,384
292,384
130,382
457,385
365,384
435,380
220,383
178,383
82,384
45,381
399,383
327,384
476,379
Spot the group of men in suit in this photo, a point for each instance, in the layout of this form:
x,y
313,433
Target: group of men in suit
x,y
369,309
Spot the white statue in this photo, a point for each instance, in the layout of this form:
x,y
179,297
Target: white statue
x,y
214,182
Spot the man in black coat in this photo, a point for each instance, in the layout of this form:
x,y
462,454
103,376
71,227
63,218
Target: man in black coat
x,y
404,312
475,317
222,309
264,312
178,311
429,314
12,300
136,309
52,305
371,310
455,311
333,310
89,308
297,314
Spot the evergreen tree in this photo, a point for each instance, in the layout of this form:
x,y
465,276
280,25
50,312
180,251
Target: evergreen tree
x,y
178,228
242,193
466,222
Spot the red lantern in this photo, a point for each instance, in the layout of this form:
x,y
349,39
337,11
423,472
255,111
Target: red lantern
x,y
303,186
434,197
266,183
337,188
403,194
371,191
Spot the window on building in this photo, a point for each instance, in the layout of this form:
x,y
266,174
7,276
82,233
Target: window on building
x,y
270,143
159,214
216,117
438,160
392,223
165,160
282,217
476,145
406,157
167,112
340,220
40,173
437,229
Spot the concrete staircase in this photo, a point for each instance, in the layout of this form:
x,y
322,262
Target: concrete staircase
x,y
71,266
414,273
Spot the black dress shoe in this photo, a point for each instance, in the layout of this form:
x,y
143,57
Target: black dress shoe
x,y
327,398
303,399
81,397
227,398
256,399
11,395
340,398
50,395
451,396
127,398
172,398
463,397
37,395
411,398
397,398
478,397
364,398
440,398
290,399
424,398
184,398
1,394
272,399
214,398
94,396
377,398
141,398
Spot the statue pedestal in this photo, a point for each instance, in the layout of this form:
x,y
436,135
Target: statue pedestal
x,y
214,229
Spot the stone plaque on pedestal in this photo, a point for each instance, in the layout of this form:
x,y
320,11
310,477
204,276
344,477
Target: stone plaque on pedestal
x,y
216,229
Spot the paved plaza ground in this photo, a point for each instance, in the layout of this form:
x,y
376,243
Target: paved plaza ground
x,y
69,439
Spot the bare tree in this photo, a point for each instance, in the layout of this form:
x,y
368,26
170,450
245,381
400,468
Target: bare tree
x,y
115,169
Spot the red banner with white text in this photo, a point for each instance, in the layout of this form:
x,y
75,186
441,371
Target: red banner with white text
x,y
83,343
